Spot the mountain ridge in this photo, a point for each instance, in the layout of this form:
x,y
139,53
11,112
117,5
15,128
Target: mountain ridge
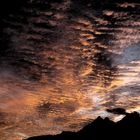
x,y
127,127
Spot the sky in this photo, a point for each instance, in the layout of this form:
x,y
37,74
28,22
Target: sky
x,y
63,63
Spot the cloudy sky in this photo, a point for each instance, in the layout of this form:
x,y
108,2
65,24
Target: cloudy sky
x,y
63,63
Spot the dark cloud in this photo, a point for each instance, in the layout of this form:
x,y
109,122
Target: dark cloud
x,y
117,111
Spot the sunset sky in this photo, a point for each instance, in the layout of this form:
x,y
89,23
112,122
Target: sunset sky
x,y
65,62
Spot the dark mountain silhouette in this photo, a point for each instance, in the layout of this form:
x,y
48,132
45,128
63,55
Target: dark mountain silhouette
x,y
129,126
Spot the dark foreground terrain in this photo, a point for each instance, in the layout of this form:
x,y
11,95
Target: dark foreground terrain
x,y
129,126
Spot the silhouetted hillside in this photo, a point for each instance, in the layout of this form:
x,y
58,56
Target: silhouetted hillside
x,y
129,126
